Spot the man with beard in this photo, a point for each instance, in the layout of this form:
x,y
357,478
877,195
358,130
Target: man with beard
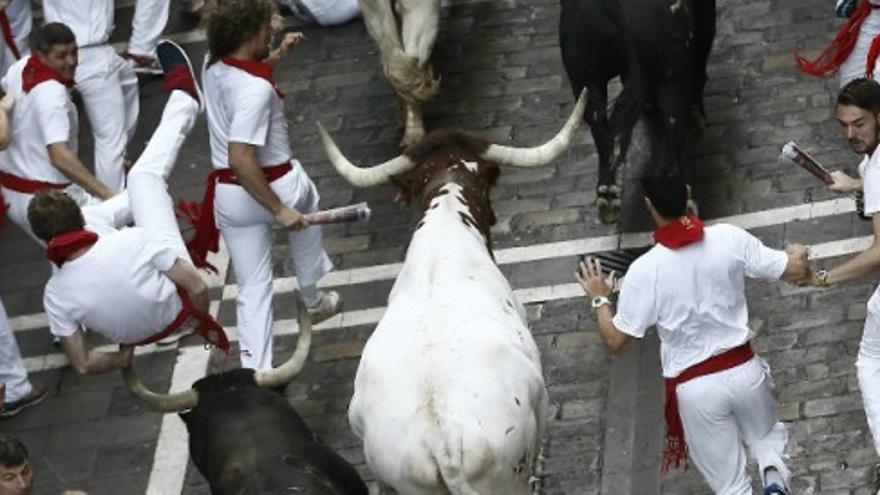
x,y
256,182
858,108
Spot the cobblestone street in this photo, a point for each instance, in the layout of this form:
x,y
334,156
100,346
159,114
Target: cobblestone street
x,y
502,76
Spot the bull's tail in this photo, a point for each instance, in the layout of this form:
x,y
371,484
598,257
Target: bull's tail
x,y
629,104
447,450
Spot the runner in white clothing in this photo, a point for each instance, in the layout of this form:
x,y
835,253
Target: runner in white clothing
x,y
106,82
858,112
15,27
137,284
147,25
323,12
42,150
691,286
257,181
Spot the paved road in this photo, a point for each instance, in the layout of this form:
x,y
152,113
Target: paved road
x,y
502,76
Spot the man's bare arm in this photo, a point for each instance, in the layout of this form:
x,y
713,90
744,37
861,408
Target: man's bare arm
x,y
65,160
243,161
797,269
6,104
864,263
184,274
89,362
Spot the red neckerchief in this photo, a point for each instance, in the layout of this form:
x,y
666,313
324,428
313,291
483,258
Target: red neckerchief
x,y
63,245
680,232
256,68
36,72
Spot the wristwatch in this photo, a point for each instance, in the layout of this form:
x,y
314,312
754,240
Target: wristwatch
x,y
821,278
600,301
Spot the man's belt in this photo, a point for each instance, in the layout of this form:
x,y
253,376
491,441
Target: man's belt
x,y
676,448
206,326
22,185
207,236
28,186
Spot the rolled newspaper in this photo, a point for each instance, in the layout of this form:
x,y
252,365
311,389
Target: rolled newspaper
x,y
352,213
792,152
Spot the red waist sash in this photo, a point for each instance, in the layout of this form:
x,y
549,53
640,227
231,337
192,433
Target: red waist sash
x,y
676,448
207,326
201,216
22,185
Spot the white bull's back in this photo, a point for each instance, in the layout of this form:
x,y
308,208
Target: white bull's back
x,y
451,378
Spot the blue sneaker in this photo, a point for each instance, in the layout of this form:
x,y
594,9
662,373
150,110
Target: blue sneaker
x,y
10,409
775,489
178,70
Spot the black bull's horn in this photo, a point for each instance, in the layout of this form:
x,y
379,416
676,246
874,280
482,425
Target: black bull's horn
x,y
502,155
275,377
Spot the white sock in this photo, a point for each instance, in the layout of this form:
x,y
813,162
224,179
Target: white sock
x,y
771,475
310,295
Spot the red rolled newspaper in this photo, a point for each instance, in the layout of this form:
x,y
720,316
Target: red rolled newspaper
x,y
352,213
793,153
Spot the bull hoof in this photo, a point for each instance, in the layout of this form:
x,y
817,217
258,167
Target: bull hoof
x,y
608,203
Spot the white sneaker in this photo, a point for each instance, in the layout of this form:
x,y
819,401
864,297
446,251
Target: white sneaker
x,y
329,304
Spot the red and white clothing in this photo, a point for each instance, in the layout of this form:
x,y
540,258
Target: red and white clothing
x,y
12,371
15,25
856,63
245,108
42,116
131,300
106,82
695,296
868,363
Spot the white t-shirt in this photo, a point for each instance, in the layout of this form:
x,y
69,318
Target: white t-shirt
x,y
869,170
695,294
117,287
856,63
243,108
90,20
43,116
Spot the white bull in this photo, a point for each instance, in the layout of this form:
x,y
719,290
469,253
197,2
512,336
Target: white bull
x,y
405,31
449,395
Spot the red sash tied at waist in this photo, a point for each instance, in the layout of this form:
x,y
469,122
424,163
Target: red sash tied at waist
x,y
207,236
22,185
676,448
206,326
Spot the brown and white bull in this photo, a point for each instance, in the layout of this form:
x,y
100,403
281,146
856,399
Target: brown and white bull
x,y
449,396
246,439
405,31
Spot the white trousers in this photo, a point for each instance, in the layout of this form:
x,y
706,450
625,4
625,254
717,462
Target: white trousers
x,y
151,204
868,372
721,412
328,12
12,372
246,227
109,89
19,14
150,19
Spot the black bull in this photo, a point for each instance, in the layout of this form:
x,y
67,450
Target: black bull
x,y
659,48
245,439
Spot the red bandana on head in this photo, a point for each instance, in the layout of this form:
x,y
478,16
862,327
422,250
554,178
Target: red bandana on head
x,y
680,232
63,245
36,72
256,68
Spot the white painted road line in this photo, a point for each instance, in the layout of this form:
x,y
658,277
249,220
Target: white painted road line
x,y
523,254
371,316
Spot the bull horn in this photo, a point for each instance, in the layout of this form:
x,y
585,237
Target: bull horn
x,y
165,403
282,375
362,177
545,153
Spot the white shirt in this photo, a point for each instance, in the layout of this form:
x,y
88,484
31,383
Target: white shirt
x,y
695,294
330,12
43,116
856,63
869,170
243,108
117,287
90,20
